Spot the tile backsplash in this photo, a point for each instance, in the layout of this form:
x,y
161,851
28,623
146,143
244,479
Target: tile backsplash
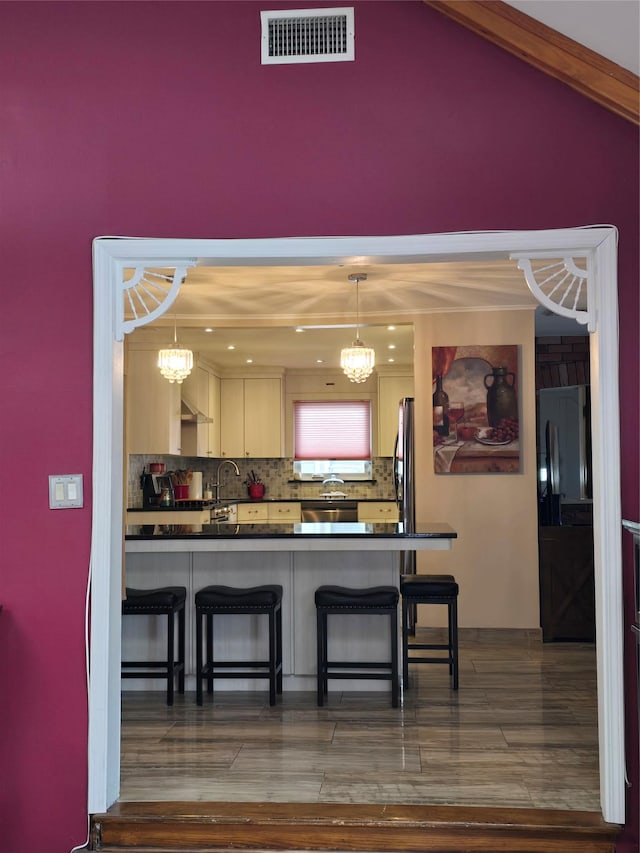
x,y
276,474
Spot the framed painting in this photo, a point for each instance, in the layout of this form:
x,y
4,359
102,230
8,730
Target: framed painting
x,y
476,423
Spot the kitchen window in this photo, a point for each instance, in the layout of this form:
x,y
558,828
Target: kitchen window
x,y
332,437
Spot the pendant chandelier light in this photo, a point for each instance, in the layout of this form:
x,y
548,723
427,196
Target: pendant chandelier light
x,y
175,362
358,360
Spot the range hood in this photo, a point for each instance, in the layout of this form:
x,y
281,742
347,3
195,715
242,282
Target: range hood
x,y
190,413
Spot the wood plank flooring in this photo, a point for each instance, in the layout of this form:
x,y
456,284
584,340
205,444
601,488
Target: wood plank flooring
x,y
520,732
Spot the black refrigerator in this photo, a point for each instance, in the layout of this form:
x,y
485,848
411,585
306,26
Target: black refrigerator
x,y
404,477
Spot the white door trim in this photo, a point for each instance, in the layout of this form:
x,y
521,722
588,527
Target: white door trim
x,y
111,255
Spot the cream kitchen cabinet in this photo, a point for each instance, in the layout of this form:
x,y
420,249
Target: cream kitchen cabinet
x,y
201,401
255,513
251,417
377,511
391,389
152,406
284,511
267,512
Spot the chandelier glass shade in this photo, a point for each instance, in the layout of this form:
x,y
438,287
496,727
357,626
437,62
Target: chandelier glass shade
x,y
175,362
358,360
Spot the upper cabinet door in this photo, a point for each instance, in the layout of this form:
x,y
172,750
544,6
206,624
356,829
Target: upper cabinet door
x,y
251,422
263,422
232,417
152,406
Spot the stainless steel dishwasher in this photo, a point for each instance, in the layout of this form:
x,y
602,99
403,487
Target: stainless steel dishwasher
x,y
329,511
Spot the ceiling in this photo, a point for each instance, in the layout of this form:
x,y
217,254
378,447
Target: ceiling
x,y
300,317
609,27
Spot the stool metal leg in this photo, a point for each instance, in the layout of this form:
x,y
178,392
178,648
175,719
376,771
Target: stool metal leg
x,y
170,657
453,641
321,620
181,650
405,643
199,641
394,658
279,648
209,653
273,657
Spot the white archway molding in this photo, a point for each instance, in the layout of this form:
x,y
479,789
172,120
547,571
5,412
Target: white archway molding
x,y
596,247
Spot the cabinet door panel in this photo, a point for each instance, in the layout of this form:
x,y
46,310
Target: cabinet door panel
x,y
232,417
152,407
214,414
377,511
286,511
263,417
252,513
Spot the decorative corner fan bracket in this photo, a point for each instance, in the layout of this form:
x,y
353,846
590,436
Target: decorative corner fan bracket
x,y
561,285
148,294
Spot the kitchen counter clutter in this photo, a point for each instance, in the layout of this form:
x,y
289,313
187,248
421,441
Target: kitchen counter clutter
x,y
298,556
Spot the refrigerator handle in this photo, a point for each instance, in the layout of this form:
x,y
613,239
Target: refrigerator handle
x,y
395,467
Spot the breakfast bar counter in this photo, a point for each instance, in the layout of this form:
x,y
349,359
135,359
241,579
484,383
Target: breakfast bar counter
x,y
300,557
327,536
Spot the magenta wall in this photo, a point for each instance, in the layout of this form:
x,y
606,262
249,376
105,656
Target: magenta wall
x,y
157,119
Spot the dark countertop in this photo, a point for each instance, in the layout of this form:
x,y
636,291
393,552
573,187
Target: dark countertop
x,y
364,530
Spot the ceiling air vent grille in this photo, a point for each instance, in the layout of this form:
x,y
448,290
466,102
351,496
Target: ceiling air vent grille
x,y
307,35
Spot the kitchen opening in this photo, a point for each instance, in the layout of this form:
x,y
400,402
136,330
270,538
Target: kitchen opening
x,y
426,331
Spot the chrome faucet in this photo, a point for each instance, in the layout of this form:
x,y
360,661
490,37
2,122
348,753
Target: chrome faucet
x,y
217,484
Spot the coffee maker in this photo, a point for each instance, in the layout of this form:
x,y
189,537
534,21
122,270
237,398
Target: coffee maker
x,y
150,489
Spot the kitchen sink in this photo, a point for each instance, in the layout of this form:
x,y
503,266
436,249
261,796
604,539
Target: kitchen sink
x,y
329,511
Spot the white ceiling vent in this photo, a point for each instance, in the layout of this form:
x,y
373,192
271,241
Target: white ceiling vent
x,y
307,35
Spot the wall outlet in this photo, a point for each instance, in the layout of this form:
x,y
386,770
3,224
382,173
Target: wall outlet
x,y
65,491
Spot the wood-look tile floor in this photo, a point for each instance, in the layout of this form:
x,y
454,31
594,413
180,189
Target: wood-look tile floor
x,y
520,731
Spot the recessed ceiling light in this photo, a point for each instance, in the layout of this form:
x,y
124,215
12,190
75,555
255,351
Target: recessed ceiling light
x,y
231,346
391,360
299,329
391,328
319,360
391,346
208,330
249,361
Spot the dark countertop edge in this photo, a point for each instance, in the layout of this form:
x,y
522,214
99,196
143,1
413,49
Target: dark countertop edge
x,y
247,534
256,536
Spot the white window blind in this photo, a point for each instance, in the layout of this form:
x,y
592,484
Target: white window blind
x,y
339,429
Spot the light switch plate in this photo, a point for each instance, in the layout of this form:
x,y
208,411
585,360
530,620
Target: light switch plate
x,y
65,491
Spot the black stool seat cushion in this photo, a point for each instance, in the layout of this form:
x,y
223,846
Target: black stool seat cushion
x,y
420,586
150,599
353,599
231,596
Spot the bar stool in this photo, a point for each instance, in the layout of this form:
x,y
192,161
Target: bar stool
x,y
381,600
227,600
164,601
430,589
